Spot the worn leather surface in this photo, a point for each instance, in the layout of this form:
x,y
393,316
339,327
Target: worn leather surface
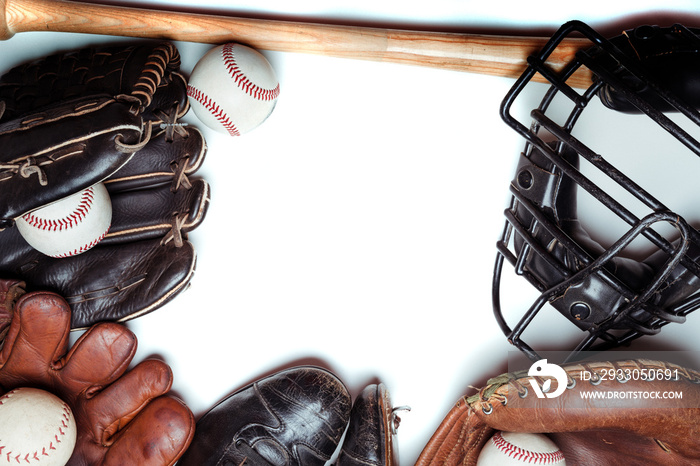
x,y
149,71
65,112
607,431
145,260
123,416
60,150
293,417
370,437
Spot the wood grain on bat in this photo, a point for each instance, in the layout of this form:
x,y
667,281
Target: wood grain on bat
x,y
475,53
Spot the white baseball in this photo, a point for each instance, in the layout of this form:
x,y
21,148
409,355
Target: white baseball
x,y
511,449
233,89
36,427
70,226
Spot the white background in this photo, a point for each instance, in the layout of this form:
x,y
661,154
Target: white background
x,y
356,228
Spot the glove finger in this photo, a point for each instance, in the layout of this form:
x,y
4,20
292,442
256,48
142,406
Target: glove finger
x,y
112,409
37,337
132,417
147,71
99,357
159,435
170,156
158,213
144,207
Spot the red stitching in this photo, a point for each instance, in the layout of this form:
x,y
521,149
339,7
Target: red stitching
x,y
31,456
242,80
69,221
6,395
527,456
216,111
84,247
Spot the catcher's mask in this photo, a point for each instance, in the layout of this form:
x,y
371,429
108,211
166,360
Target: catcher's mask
x,y
605,291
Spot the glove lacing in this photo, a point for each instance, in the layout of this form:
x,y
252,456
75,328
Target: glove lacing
x,y
129,148
169,122
175,234
27,169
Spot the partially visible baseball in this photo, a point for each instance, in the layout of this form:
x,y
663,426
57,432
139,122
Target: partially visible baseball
x,y
233,89
514,448
36,427
70,226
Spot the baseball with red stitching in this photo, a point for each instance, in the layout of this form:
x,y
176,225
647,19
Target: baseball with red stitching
x,y
70,226
233,89
518,448
36,427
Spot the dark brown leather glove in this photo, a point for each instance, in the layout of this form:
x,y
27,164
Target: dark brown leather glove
x,y
588,430
123,417
104,115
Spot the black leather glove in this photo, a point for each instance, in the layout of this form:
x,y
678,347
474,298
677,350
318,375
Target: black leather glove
x,y
107,115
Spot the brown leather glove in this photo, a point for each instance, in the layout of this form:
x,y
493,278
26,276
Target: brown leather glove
x,y
600,431
123,417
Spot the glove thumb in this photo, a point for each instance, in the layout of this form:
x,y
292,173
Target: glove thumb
x,y
37,336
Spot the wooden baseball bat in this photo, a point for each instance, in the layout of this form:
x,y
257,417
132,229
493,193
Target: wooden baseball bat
x,y
494,55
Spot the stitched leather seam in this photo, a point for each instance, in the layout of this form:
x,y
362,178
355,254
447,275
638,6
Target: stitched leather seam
x,y
23,457
42,119
242,80
69,221
526,456
12,168
82,248
216,111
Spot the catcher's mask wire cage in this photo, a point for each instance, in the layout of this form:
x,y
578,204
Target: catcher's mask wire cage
x,y
612,298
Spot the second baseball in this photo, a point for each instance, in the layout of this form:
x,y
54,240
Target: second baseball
x,y
233,89
516,448
35,427
70,226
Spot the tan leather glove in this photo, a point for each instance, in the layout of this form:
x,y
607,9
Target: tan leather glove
x,y
600,431
122,417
